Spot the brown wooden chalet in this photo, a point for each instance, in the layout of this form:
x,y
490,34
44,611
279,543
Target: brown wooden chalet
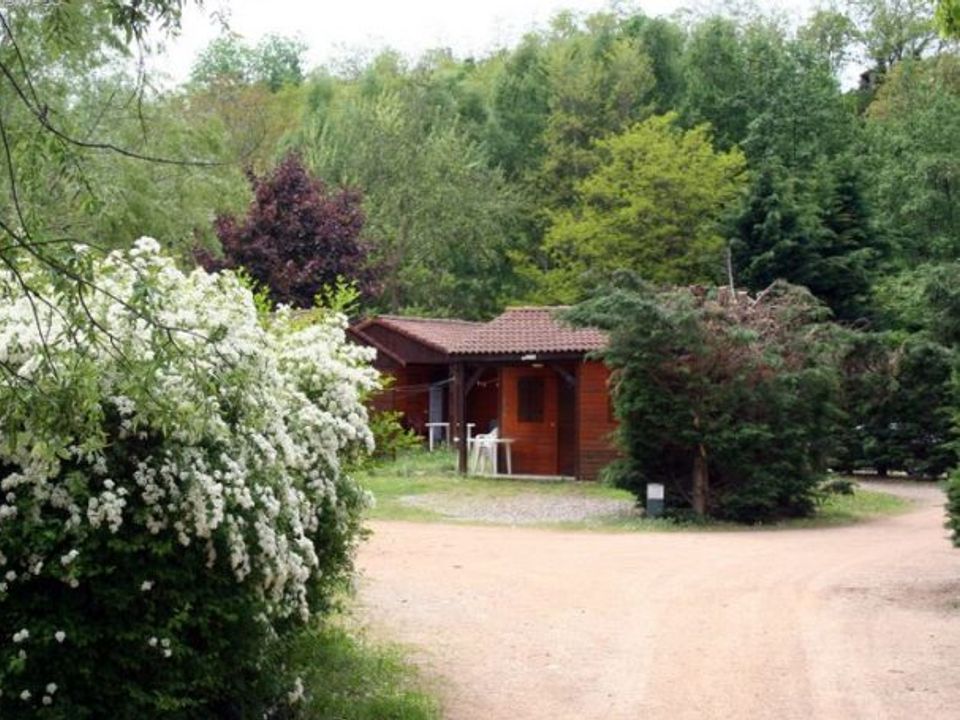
x,y
525,373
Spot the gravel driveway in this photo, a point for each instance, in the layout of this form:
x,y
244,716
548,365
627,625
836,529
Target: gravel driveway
x,y
522,509
514,623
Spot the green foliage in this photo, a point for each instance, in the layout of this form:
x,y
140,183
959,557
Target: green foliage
x,y
914,161
891,31
947,17
899,402
714,67
440,220
651,206
346,678
924,299
390,436
76,71
519,110
953,507
275,62
728,402
776,96
599,82
785,232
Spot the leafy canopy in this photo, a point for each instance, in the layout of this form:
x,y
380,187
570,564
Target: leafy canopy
x,y
726,399
298,237
651,206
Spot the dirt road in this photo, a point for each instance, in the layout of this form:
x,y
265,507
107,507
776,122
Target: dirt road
x,y
516,623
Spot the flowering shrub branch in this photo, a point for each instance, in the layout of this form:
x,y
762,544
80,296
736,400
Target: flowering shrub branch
x,y
171,486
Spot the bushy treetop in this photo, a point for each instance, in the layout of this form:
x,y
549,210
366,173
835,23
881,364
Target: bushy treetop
x,y
298,237
725,398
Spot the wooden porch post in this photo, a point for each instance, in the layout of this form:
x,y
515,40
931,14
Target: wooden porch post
x,y
459,425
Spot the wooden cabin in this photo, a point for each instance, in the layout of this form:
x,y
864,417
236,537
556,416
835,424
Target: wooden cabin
x,y
525,373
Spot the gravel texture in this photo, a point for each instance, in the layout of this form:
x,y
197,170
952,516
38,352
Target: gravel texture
x,y
520,623
521,509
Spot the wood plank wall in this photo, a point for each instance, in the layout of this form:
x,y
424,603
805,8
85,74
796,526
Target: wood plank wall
x,y
596,419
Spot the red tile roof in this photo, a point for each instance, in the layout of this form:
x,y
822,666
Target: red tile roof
x,y
438,333
529,330
518,331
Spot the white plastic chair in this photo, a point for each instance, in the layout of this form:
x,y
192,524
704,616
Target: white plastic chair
x,y
484,451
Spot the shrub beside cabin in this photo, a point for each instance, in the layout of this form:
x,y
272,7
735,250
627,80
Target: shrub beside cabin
x,y
525,373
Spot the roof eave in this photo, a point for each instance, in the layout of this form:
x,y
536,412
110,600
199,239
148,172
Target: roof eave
x,y
519,357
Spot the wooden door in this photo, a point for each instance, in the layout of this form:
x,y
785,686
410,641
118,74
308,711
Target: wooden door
x,y
566,428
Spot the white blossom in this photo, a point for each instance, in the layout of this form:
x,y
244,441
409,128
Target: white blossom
x,y
256,419
296,694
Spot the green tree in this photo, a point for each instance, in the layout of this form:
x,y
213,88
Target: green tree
x,y
914,160
441,221
715,76
662,40
651,206
899,399
890,31
923,300
600,82
520,110
828,246
832,34
276,62
947,17
95,157
775,96
725,399
226,60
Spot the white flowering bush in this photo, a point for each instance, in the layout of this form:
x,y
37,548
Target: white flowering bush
x,y
173,500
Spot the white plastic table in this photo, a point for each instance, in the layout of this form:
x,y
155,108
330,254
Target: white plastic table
x,y
445,432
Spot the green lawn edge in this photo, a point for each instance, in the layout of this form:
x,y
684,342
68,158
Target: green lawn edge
x,y
422,473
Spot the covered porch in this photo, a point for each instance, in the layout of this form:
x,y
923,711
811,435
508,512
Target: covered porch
x,y
519,391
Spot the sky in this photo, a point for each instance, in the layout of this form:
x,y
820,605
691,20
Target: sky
x,y
339,28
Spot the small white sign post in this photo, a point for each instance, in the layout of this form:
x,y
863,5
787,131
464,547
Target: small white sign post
x,y
654,499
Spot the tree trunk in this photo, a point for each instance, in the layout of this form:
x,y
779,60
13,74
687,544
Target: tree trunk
x,y
701,481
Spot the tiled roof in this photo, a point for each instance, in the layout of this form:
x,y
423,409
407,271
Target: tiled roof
x,y
517,331
440,334
523,330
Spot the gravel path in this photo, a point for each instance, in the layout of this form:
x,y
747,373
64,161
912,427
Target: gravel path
x,y
517,623
521,509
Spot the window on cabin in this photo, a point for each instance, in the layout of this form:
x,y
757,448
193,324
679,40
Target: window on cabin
x,y
530,396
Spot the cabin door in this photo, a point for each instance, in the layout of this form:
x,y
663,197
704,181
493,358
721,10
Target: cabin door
x,y
566,428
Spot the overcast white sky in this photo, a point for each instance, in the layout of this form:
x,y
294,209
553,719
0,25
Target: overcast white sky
x,y
336,28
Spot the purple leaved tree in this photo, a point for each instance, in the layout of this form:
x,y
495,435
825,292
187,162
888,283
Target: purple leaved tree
x,y
298,237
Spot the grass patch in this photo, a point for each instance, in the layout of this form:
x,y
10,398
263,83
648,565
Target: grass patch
x,y
345,677
420,473
846,509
